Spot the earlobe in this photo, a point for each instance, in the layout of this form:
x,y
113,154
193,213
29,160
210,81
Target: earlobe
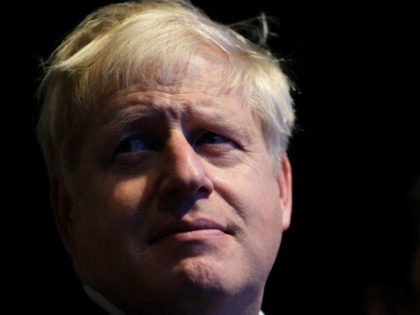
x,y
62,209
285,189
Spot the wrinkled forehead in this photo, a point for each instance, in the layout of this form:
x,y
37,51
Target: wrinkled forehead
x,y
200,82
207,71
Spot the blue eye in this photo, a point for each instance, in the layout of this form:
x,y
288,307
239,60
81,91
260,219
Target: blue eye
x,y
211,138
133,145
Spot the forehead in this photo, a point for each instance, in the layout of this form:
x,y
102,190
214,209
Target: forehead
x,y
198,90
201,67
189,101
201,81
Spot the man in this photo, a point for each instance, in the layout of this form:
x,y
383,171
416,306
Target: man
x,y
165,136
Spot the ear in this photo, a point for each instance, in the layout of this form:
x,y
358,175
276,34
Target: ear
x,y
62,209
284,180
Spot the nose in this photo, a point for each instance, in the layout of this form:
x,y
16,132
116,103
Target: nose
x,y
184,171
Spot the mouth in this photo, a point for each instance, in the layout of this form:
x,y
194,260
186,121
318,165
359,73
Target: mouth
x,y
189,227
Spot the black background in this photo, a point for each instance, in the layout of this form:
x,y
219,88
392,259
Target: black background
x,y
354,155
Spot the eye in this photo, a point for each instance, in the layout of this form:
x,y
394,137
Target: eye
x,y
134,145
211,138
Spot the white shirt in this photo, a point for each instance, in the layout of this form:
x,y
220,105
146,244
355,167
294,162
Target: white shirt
x,y
107,305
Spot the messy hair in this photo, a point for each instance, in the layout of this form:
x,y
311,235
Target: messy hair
x,y
122,43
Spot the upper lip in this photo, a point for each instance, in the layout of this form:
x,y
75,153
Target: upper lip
x,y
187,226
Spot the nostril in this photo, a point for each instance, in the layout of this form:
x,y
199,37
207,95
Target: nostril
x,y
199,186
178,204
184,172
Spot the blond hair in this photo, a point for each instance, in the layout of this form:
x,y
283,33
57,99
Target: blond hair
x,y
120,43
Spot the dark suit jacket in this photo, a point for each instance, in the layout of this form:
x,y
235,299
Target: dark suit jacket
x,y
70,300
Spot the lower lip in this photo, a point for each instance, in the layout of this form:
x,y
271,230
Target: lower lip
x,y
193,243
204,235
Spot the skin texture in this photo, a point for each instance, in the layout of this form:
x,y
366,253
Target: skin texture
x,y
176,207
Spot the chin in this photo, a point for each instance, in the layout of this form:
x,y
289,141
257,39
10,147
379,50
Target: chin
x,y
207,277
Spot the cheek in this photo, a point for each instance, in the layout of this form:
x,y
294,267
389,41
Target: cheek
x,y
267,206
108,211
109,228
260,211
265,216
266,222
110,198
253,194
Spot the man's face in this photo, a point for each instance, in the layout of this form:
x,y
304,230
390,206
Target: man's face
x,y
175,195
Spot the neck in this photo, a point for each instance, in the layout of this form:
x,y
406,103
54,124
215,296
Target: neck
x,y
187,304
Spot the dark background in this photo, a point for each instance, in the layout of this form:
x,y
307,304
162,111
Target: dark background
x,y
354,155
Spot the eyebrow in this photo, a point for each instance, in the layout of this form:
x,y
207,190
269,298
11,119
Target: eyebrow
x,y
207,110
130,115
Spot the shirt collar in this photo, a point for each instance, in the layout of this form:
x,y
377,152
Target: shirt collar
x,y
102,301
